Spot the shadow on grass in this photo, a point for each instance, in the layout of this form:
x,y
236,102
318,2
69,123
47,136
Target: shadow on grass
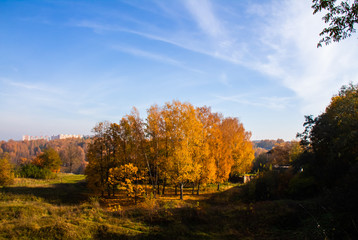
x,y
60,194
103,232
224,216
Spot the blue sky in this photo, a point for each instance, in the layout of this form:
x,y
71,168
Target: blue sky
x,y
66,65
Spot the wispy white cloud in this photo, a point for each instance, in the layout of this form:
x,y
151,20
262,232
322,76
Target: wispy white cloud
x,y
313,74
181,40
273,103
203,13
41,98
31,86
220,43
284,49
146,54
219,46
280,43
154,56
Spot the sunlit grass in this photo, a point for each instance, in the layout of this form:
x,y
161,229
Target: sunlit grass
x,y
30,215
61,178
33,220
37,209
28,211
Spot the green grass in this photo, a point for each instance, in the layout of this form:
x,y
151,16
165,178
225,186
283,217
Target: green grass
x,y
63,209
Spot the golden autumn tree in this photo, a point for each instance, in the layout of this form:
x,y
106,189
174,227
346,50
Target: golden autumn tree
x,y
139,158
194,144
137,139
182,129
178,144
158,148
204,157
100,157
49,159
6,172
124,144
220,148
114,145
234,149
126,177
243,153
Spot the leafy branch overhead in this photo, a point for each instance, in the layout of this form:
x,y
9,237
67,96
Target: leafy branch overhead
x,y
341,17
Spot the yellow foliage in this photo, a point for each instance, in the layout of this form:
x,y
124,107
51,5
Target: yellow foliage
x,y
6,173
177,144
126,177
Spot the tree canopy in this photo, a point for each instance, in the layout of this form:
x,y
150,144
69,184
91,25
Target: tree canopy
x,y
6,174
341,16
49,159
178,144
333,136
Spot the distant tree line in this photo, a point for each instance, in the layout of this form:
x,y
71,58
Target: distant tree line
x,y
267,144
281,154
72,152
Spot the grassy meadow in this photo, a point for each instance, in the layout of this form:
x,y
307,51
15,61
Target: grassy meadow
x,y
62,208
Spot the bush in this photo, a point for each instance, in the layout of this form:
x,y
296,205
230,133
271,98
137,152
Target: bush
x,y
49,159
32,171
268,186
6,174
302,187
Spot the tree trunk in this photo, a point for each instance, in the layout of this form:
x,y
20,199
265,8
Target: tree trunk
x,y
192,191
164,183
109,191
154,192
146,188
181,191
176,192
135,192
158,187
156,182
151,178
197,193
218,186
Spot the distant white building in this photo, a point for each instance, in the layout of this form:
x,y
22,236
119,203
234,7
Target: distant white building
x,y
25,138
47,138
30,138
65,136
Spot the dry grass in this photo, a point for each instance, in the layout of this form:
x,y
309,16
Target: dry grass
x,y
35,209
207,191
61,178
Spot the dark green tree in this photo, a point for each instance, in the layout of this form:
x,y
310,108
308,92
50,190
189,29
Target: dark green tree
x,y
332,137
341,18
